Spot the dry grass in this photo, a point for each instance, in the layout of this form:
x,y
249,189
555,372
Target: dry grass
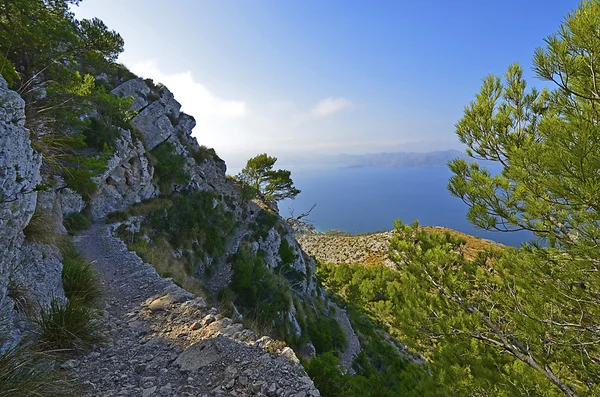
x,y
43,228
160,255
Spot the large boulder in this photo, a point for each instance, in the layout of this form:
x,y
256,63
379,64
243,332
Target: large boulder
x,y
154,124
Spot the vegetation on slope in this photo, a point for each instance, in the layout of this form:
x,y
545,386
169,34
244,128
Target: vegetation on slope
x,y
512,321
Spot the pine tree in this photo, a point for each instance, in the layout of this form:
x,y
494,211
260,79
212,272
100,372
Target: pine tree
x,y
519,321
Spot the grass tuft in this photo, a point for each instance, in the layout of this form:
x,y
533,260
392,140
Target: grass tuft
x,y
68,327
42,228
77,222
26,373
80,281
117,216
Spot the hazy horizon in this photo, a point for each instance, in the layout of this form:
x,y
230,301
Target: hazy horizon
x,y
307,78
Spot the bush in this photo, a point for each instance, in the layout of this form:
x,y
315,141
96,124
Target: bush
x,y
160,255
203,154
78,179
195,222
117,216
261,295
98,134
264,221
148,206
77,222
168,167
79,278
68,326
326,335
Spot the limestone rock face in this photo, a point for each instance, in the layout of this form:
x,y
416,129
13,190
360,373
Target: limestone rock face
x,y
28,271
154,124
136,88
127,179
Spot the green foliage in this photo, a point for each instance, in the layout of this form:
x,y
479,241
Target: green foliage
x,y
260,294
534,312
148,206
116,216
68,326
77,222
24,372
98,134
79,180
286,253
374,309
326,335
263,222
323,370
197,221
203,154
80,281
259,177
168,167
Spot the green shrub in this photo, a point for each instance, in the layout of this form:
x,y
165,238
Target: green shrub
x,y
195,222
203,154
98,134
79,278
263,222
77,222
79,180
68,326
148,206
261,294
286,253
168,167
117,216
27,373
326,335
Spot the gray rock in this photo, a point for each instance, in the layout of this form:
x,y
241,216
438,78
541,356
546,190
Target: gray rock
x,y
136,88
127,179
153,122
19,176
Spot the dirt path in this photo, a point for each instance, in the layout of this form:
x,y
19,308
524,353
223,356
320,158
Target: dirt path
x,y
165,342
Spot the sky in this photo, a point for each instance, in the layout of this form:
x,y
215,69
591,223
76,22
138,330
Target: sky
x,y
304,80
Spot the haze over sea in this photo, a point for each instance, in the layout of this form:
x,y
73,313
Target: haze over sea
x,y
369,199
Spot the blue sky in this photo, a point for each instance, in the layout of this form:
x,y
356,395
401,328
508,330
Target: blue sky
x,y
302,79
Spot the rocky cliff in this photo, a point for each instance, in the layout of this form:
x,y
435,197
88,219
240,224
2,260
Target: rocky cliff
x,y
240,249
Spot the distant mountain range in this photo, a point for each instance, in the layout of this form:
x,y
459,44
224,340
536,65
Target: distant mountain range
x,y
400,159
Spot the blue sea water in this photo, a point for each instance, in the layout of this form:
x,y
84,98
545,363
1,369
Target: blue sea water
x,y
369,199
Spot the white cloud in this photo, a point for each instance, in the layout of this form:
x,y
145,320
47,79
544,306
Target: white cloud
x,y
329,106
195,98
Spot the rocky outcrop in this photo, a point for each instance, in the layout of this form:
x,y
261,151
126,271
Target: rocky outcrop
x,y
135,88
127,179
369,249
30,273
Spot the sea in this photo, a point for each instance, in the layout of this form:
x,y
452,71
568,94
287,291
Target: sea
x,y
369,199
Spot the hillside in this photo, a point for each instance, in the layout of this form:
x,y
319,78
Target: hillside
x,y
372,249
